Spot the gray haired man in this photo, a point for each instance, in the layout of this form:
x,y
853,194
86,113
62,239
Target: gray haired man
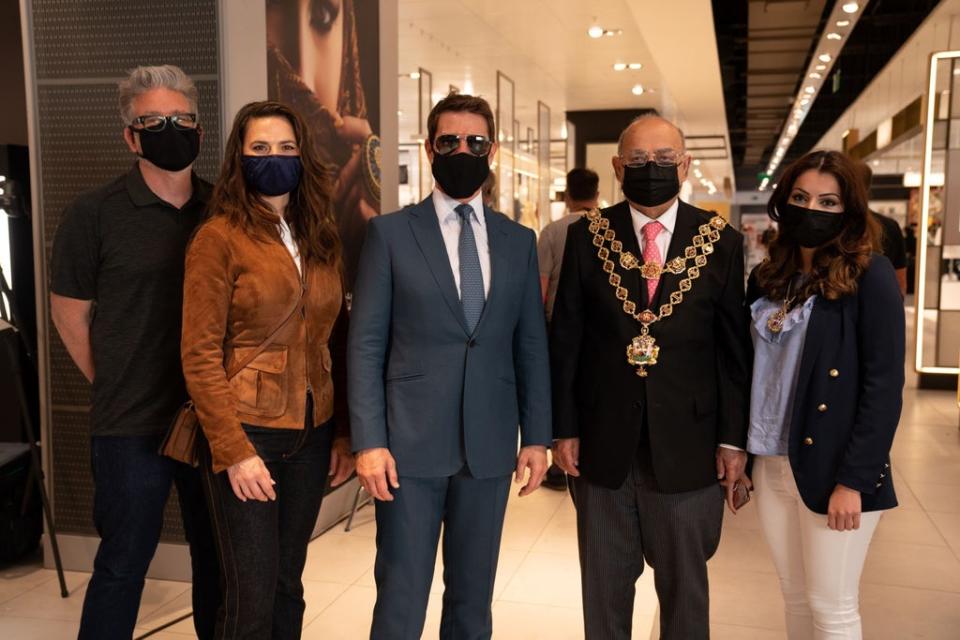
x,y
116,291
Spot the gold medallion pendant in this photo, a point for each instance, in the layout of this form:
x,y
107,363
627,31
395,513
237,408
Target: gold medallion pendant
x,y
775,321
642,352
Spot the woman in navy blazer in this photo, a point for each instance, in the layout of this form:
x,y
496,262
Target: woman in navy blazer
x,y
828,332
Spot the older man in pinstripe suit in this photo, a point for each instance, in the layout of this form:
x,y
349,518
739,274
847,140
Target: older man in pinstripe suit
x,y
653,437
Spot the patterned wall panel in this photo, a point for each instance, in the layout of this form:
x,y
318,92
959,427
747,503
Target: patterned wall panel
x,y
80,49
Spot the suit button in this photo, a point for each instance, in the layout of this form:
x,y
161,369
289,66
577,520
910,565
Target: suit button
x,y
822,408
808,441
471,343
834,373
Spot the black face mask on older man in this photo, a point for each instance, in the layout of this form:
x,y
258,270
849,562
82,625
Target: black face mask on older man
x,y
651,184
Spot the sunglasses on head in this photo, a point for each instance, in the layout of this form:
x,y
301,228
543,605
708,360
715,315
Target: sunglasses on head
x,y
448,143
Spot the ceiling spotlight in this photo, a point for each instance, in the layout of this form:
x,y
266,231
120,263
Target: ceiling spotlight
x,y
620,66
399,113
815,75
415,75
698,173
805,102
696,163
843,23
851,7
637,90
596,31
636,66
819,67
612,32
834,36
825,57
876,163
810,89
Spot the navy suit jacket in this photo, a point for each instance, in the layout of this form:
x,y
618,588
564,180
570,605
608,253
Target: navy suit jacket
x,y
419,383
849,392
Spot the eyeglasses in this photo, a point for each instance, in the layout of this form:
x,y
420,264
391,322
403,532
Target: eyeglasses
x,y
449,142
661,157
155,123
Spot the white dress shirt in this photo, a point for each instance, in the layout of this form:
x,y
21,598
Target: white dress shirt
x,y
669,221
287,236
450,229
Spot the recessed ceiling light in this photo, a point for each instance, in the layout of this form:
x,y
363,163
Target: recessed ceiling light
x,y
956,71
596,31
399,113
843,23
637,90
415,75
825,57
810,90
876,163
805,102
851,7
612,32
815,75
696,162
834,36
698,173
821,67
636,66
620,66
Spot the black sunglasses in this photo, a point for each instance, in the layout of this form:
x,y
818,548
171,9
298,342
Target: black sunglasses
x,y
449,143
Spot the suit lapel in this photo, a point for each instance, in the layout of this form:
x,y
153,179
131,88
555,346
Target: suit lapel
x,y
499,259
683,232
426,231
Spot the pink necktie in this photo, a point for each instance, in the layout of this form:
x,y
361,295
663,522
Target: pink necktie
x,y
651,253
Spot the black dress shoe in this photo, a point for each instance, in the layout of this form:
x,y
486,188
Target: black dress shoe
x,y
555,479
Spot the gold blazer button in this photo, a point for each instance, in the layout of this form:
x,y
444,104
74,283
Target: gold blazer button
x,y
834,373
808,441
822,408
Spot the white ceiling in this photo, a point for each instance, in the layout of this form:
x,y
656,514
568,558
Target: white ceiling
x,y
544,48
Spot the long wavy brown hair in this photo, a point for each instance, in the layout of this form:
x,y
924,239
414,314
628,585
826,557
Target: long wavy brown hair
x,y
838,264
310,209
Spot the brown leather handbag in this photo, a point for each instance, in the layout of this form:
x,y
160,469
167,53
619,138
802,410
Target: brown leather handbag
x,y
184,437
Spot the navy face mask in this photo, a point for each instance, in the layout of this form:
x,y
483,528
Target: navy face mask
x,y
272,175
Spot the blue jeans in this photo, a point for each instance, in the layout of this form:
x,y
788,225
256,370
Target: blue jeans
x,y
132,483
263,545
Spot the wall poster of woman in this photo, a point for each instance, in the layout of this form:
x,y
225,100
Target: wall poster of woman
x,y
323,60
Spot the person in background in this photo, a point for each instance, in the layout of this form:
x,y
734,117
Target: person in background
x,y
582,194
650,354
447,357
828,329
892,243
116,290
910,241
489,191
263,292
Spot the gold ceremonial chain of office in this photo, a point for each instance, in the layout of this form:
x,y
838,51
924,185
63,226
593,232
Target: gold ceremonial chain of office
x,y
642,352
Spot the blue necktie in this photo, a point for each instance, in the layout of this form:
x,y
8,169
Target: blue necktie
x,y
471,277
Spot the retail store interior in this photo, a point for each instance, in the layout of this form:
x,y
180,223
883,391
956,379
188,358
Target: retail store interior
x,y
753,84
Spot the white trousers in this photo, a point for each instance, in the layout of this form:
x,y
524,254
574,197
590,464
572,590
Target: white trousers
x,y
819,568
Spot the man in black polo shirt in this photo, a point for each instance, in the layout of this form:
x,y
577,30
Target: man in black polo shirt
x,y
117,287
892,242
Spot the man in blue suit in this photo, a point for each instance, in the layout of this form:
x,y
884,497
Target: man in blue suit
x,y
447,356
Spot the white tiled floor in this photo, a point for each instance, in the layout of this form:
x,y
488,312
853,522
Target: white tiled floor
x,y
911,584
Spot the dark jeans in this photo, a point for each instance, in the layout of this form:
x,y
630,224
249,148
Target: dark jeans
x,y
132,482
263,545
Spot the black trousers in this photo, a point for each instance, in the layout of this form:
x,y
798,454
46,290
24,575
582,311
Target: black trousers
x,y
132,483
263,545
675,533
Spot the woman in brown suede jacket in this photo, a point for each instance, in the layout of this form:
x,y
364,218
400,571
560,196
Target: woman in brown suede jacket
x,y
267,262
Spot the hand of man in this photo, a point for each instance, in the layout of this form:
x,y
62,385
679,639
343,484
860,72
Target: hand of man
x,y
731,464
843,511
378,472
342,463
535,459
251,480
566,455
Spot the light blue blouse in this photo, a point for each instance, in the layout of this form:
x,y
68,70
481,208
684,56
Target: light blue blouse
x,y
776,365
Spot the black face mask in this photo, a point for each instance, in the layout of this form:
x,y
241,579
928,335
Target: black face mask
x,y
651,184
171,149
808,227
460,174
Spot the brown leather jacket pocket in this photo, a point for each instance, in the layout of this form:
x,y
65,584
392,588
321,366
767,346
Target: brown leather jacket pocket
x,y
261,387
